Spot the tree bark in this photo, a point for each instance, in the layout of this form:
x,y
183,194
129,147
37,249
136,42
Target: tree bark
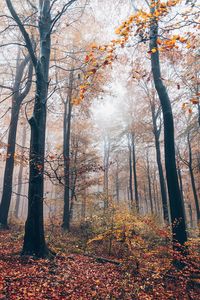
x,y
135,173
17,99
176,204
149,183
66,154
130,172
117,181
34,239
106,170
20,175
156,133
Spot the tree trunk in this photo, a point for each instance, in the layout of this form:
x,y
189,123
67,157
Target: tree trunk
x,y
20,175
130,173
8,173
106,170
66,154
176,204
135,173
17,99
34,239
117,181
159,164
149,184
145,199
180,180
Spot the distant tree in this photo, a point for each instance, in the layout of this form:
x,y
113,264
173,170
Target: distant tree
x,y
20,174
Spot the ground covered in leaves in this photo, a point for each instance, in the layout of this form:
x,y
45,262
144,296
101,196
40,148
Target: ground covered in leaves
x,y
75,275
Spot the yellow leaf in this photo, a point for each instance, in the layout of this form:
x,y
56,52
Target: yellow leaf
x,y
154,50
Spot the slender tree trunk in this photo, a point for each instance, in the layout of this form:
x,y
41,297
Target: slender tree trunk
x,y
8,174
176,204
149,183
17,99
154,193
145,199
20,175
130,173
190,215
135,173
117,181
83,204
73,180
159,164
106,170
66,154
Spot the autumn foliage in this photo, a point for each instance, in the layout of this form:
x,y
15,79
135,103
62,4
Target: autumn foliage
x,y
138,266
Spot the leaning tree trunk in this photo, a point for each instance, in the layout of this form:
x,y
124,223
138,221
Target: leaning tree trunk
x,y
156,133
34,239
17,99
176,204
66,154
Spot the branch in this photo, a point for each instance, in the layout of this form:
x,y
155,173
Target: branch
x,y
6,87
29,82
23,32
59,15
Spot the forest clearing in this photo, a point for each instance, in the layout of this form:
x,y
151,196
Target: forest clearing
x,y
99,149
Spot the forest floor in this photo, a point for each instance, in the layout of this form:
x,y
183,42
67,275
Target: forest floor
x,y
75,275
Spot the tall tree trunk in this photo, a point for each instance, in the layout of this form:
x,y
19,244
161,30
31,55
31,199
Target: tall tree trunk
x,y
149,183
106,170
176,204
156,133
130,173
135,172
8,173
145,199
20,175
34,239
74,176
17,99
117,181
190,215
155,194
66,154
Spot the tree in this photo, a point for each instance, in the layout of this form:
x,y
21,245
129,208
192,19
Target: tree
x,y
20,175
156,132
135,171
176,203
130,170
34,239
66,152
19,94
